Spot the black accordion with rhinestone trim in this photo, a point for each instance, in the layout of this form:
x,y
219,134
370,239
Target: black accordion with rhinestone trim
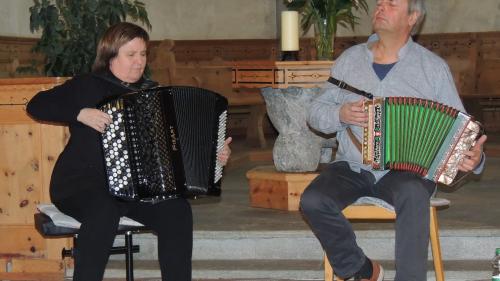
x,y
163,143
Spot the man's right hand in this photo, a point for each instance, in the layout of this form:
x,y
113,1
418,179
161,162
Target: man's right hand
x,y
94,118
353,113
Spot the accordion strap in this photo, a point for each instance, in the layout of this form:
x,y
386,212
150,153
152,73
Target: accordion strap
x,y
353,138
343,85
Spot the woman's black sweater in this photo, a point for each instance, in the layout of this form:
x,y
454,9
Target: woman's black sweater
x,y
80,166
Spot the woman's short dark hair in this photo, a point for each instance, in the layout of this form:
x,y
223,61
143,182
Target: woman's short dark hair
x,y
112,40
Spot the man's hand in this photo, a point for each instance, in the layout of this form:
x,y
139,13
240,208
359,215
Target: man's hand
x,y
473,156
353,113
94,118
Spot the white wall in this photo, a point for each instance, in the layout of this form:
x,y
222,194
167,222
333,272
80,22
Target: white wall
x,y
14,18
256,19
446,16
212,19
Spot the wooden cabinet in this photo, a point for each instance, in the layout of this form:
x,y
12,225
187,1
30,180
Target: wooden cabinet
x,y
28,151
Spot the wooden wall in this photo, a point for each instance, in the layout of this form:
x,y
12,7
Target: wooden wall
x,y
28,151
474,59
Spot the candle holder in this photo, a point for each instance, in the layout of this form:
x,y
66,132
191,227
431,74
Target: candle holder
x,y
289,55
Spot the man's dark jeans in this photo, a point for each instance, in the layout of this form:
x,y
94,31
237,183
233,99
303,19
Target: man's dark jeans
x,y
338,186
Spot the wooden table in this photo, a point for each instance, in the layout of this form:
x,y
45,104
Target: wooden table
x,y
280,74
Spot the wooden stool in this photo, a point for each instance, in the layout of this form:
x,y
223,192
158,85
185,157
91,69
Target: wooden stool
x,y
374,212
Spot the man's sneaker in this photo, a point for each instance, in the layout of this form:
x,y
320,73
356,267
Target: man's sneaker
x,y
378,272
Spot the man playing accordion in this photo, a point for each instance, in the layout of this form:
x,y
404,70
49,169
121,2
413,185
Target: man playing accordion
x,y
389,64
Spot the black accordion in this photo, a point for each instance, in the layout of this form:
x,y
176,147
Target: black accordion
x,y
417,135
163,143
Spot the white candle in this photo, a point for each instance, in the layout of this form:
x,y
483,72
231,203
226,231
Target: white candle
x,y
289,31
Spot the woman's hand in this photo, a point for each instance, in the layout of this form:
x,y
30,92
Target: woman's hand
x,y
226,152
353,113
94,118
473,156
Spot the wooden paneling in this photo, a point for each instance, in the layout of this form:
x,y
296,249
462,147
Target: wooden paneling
x,y
21,180
488,65
28,151
21,241
16,52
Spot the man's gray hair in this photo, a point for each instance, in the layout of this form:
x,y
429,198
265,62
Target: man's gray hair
x,y
419,7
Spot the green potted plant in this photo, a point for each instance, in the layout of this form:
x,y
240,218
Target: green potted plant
x,y
71,30
325,15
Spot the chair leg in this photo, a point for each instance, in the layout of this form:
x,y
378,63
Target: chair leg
x,y
129,258
435,246
329,274
328,269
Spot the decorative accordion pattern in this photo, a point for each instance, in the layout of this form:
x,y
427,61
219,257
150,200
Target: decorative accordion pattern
x,y
417,135
163,143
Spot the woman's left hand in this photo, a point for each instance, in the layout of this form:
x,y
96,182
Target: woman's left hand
x,y
473,156
226,152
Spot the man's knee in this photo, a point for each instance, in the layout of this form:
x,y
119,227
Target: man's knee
x,y
313,201
415,191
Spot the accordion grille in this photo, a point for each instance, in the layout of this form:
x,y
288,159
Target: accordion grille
x,y
200,162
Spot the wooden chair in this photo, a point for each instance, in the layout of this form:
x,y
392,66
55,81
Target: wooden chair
x,y
363,211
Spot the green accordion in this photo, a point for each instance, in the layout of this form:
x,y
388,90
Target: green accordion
x,y
417,135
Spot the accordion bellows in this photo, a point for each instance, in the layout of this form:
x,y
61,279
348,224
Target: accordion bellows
x,y
417,135
163,143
